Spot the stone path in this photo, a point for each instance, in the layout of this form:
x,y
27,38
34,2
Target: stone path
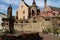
x,y
49,37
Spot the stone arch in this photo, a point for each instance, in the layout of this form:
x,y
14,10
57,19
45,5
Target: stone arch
x,y
33,12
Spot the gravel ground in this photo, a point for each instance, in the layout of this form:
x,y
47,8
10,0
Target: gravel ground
x,y
49,37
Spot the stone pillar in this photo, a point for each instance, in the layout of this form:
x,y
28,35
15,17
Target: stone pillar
x,y
11,25
10,19
9,11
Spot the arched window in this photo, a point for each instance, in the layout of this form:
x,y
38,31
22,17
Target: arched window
x,y
23,12
22,6
33,12
23,17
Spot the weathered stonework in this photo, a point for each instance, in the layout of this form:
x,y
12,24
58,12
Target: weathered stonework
x,y
29,18
25,11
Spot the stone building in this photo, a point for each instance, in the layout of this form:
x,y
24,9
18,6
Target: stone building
x,y
1,16
9,11
49,11
37,21
25,11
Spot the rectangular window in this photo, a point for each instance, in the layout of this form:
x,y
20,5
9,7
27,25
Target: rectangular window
x,y
47,19
23,12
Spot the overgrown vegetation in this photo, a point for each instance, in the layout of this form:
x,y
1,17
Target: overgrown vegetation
x,y
54,31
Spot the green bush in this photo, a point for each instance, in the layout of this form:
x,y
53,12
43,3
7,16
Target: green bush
x,y
45,32
58,31
49,30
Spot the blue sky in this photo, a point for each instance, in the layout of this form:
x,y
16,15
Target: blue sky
x,y
15,4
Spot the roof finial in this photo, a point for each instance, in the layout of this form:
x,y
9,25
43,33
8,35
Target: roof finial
x,y
22,0
45,1
10,5
33,0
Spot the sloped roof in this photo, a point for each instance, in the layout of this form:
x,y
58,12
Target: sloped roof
x,y
26,4
2,13
54,8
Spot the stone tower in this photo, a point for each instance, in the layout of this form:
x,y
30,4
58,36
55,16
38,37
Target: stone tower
x,y
33,8
33,4
9,11
46,8
45,3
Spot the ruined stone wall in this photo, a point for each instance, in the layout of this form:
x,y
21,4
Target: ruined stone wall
x,y
33,27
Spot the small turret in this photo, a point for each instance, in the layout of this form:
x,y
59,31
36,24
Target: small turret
x,y
34,3
22,0
45,2
33,0
9,11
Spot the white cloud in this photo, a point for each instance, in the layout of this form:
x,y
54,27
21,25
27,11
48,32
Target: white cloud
x,y
3,8
55,3
29,2
15,2
40,2
14,12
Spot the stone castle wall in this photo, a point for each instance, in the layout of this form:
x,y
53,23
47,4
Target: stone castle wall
x,y
33,27
29,27
38,26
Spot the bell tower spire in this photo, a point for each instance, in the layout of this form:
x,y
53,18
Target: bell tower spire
x,y
22,0
33,0
9,11
45,3
34,3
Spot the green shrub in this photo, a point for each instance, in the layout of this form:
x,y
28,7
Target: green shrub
x,y
58,31
45,32
49,30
